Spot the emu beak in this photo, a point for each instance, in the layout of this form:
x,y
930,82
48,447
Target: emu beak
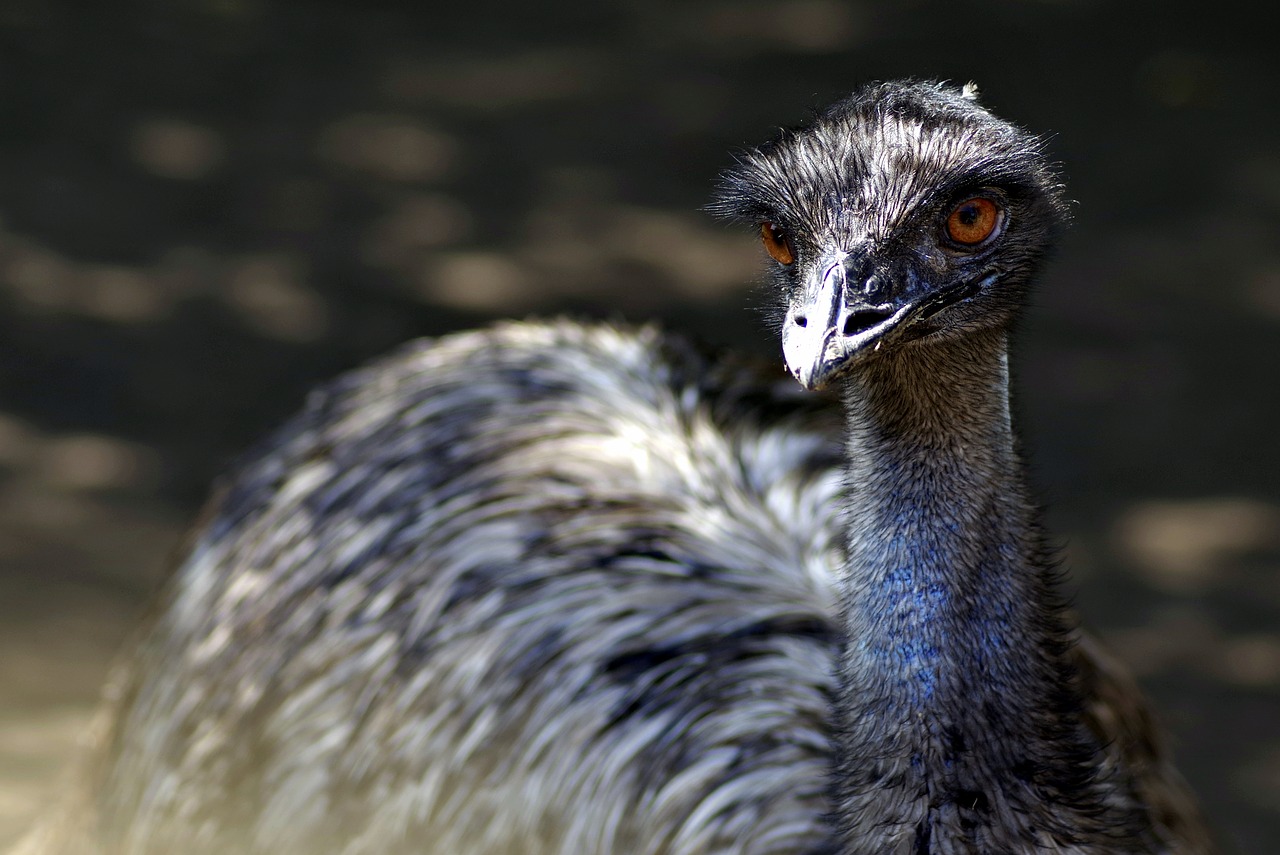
x,y
828,325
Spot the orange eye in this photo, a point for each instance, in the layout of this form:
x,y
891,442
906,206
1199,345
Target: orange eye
x,y
973,221
777,243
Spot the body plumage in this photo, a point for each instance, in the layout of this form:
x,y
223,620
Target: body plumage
x,y
547,588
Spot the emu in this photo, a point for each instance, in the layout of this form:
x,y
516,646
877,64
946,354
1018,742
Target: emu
x,y
566,588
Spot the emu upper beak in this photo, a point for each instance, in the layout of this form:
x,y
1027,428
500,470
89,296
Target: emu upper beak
x,y
829,324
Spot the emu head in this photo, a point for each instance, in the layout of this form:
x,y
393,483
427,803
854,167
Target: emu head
x,y
902,215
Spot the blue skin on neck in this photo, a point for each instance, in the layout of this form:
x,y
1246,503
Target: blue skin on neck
x,y
926,627
917,653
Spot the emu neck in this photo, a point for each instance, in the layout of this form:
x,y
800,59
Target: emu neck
x,y
943,556
953,665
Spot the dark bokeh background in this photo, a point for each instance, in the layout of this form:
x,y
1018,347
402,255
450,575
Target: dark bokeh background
x,y
208,205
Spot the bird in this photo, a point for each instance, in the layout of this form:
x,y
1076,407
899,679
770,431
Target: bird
x,y
557,587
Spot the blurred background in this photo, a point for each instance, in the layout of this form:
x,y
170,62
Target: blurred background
x,y
206,206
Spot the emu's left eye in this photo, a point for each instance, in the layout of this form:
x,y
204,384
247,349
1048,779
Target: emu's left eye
x,y
778,243
974,221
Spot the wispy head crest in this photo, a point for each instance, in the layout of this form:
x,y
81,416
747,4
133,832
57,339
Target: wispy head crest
x,y
868,159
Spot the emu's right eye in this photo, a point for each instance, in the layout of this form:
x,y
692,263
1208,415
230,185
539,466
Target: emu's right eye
x,y
974,221
778,243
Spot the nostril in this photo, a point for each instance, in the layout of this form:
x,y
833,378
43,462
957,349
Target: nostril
x,y
860,321
801,321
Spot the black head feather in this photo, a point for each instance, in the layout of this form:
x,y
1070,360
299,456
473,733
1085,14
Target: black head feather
x,y
884,147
